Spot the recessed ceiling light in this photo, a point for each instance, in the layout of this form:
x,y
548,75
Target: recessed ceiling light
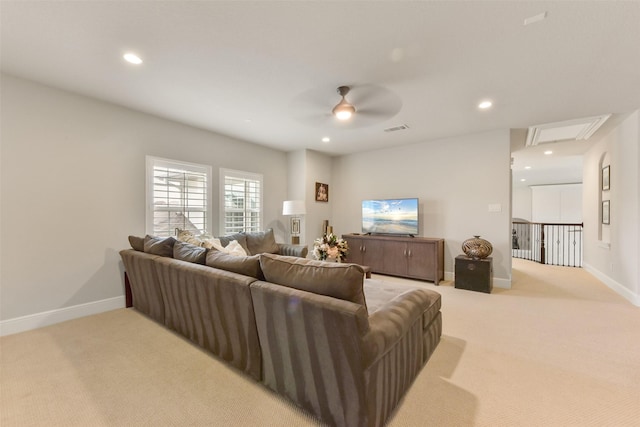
x,y
522,180
132,58
527,167
247,120
548,152
485,104
326,139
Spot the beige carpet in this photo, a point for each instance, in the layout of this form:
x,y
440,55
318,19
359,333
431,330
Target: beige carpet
x,y
559,349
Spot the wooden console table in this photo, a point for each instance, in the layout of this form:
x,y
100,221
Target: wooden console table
x,y
413,257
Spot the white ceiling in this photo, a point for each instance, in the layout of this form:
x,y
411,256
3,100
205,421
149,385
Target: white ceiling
x,y
267,71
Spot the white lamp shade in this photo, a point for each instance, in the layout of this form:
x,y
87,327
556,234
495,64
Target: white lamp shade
x,y
293,207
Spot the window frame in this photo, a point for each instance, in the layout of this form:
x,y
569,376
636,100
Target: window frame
x,y
224,173
151,163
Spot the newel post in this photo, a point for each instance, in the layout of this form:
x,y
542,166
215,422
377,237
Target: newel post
x,y
542,250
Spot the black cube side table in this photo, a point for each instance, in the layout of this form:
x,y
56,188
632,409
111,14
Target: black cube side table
x,y
474,274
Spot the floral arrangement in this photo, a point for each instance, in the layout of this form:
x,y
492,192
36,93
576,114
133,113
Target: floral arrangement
x,y
330,246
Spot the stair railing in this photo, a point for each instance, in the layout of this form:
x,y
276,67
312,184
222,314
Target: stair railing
x,y
547,243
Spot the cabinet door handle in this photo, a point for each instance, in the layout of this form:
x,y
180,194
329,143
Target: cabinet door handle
x,y
404,252
364,249
409,252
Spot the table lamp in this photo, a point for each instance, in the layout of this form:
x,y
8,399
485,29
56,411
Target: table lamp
x,y
294,208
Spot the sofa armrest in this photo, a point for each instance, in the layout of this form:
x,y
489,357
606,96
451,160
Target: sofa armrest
x,y
143,279
394,351
311,351
391,322
292,250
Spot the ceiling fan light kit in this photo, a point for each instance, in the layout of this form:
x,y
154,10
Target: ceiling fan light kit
x,y
344,110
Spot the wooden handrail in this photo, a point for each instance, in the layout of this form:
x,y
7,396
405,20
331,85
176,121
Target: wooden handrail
x,y
549,223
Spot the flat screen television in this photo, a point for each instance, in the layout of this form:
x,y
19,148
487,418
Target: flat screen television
x,y
390,216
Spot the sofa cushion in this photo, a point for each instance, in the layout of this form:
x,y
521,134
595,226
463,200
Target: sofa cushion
x,y
263,242
343,281
162,246
246,265
191,253
137,243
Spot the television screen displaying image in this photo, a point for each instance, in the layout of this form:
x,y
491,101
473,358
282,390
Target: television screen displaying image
x,y
390,216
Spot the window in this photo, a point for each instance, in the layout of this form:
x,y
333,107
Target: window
x,y
241,204
177,197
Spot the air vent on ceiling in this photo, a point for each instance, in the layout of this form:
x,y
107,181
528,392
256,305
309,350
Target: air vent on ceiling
x,y
396,128
561,131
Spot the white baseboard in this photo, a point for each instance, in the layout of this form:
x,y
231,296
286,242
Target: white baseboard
x,y
615,286
501,283
38,320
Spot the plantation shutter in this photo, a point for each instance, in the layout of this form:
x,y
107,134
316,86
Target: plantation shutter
x,y
242,202
179,197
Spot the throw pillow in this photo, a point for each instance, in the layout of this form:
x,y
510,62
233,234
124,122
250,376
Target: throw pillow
x,y
262,242
191,253
212,243
189,237
137,243
239,237
343,281
162,246
246,265
234,248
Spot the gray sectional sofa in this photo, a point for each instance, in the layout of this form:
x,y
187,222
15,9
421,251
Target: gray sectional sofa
x,y
344,348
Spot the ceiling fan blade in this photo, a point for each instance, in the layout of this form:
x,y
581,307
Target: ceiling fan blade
x,y
373,97
378,112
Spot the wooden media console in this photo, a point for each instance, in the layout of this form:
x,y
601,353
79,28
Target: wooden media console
x,y
413,257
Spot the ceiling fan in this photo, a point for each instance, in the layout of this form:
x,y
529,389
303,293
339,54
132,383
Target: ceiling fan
x,y
344,110
360,105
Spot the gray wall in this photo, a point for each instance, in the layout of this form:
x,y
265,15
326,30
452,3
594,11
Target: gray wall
x,y
319,169
521,203
611,252
456,180
73,189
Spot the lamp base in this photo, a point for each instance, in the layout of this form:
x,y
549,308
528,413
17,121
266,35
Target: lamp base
x,y
295,240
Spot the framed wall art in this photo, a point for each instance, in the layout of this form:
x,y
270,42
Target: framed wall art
x,y
605,177
322,192
606,210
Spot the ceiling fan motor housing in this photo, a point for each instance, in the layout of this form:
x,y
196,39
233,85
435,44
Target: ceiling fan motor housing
x,y
343,110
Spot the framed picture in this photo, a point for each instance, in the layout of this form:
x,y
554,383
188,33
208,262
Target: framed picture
x,y
605,211
322,192
295,225
605,178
